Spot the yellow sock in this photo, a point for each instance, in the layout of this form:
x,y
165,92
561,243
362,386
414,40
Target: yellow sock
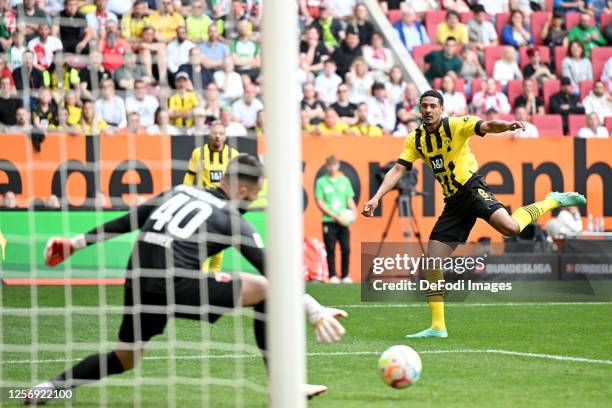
x,y
529,213
215,262
435,299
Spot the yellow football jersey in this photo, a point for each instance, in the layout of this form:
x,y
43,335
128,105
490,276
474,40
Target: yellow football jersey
x,y
446,151
207,166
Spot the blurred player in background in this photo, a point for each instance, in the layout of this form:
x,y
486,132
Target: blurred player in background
x,y
206,168
442,143
163,275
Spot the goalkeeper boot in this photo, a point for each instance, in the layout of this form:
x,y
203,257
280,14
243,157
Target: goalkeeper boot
x,y
312,390
428,333
568,199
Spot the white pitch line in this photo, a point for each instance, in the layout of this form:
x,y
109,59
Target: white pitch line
x,y
347,353
456,304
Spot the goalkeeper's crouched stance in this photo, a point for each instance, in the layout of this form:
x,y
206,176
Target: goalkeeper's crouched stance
x,y
163,277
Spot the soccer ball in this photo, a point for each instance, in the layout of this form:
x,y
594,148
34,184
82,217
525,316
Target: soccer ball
x,y
399,366
347,217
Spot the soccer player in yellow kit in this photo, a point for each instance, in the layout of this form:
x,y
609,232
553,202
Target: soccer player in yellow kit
x,y
206,168
442,143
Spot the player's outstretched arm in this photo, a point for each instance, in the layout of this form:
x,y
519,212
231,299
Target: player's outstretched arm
x,y
391,179
327,328
500,126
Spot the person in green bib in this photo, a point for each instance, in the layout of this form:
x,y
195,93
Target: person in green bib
x,y
334,195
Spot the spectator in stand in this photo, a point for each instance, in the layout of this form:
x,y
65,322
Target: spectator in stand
x,y
363,127
565,102
71,26
9,103
408,109
378,57
166,21
91,124
521,114
516,33
73,106
326,83
27,76
331,126
606,73
152,54
246,52
411,32
92,76
598,101
460,6
43,46
260,123
305,126
200,127
23,124
527,6
162,124
133,126
576,66
110,107
53,202
343,107
183,101
246,108
570,6
143,104
342,9
62,127
423,6
198,22
490,98
309,9
481,31
29,18
232,127
587,33
381,111
395,85
212,105
506,69
330,30
470,68
96,20
536,69
347,52
228,27
359,81
533,104
214,51
360,24
197,73
387,5
60,76
443,62
15,52
314,107
313,52
553,33
229,82
5,71
113,47
177,51
8,24
494,7
593,128
134,23
454,102
452,27
9,200
567,222
131,71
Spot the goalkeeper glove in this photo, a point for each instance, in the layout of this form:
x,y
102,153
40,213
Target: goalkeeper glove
x,y
323,320
58,249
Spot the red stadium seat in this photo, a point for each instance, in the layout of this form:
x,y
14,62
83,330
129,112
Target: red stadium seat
x,y
492,54
576,122
585,88
549,88
606,19
608,123
501,19
599,57
571,20
419,52
466,16
432,19
560,53
548,125
550,5
538,18
459,84
395,16
544,55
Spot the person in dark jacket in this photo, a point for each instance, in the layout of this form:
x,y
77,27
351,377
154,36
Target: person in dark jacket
x,y
347,52
565,103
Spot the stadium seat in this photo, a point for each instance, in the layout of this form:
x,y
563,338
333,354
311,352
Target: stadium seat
x,y
550,5
506,116
571,20
395,16
515,88
606,18
432,19
608,123
465,17
560,53
576,122
419,52
492,54
549,88
501,19
538,18
548,125
544,54
585,88
599,57
459,84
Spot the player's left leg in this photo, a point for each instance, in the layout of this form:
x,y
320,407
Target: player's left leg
x,y
215,262
344,237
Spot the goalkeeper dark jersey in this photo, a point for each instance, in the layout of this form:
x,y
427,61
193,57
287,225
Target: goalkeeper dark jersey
x,y
179,229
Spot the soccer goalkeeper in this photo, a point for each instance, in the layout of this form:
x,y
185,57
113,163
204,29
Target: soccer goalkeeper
x,y
442,143
206,167
163,274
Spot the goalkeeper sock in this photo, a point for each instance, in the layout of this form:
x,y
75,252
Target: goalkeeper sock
x,y
529,213
259,326
435,299
89,369
215,262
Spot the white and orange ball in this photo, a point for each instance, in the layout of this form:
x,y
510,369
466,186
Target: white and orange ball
x,y
400,366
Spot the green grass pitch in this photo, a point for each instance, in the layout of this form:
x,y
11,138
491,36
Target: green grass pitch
x,y
457,371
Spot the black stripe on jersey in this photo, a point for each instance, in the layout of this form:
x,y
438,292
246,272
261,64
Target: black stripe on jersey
x,y
417,141
451,167
191,172
446,126
438,139
477,128
428,143
405,163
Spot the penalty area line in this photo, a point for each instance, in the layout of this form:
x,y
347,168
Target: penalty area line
x,y
451,304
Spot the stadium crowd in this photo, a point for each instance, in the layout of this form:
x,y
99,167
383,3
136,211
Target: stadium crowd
x,y
173,67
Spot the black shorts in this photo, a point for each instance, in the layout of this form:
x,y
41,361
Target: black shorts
x,y
207,299
473,200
